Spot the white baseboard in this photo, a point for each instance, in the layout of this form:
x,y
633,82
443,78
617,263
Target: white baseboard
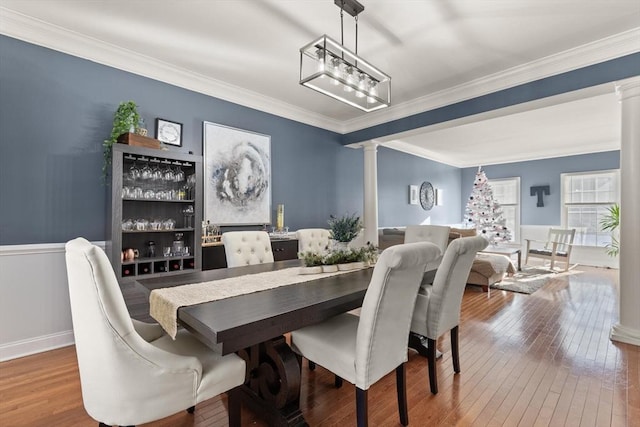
x,y
16,349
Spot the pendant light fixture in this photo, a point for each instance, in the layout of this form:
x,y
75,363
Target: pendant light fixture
x,y
329,68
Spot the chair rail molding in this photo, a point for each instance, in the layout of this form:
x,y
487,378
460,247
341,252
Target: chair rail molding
x,y
33,288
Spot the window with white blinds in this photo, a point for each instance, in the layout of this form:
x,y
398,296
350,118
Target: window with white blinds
x,y
586,197
506,192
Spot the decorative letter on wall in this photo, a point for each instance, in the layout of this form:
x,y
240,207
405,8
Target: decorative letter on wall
x,y
539,191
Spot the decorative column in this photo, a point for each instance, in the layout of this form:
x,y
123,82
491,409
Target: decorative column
x,y
371,192
628,328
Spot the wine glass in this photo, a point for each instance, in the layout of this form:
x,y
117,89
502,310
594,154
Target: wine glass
x,y
187,213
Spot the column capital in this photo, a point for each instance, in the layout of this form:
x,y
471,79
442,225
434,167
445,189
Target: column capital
x,y
628,88
370,145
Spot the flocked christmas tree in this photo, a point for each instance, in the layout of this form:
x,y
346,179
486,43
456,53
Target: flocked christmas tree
x,y
484,213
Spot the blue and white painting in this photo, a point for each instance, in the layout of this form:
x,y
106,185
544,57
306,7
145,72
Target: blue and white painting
x,y
237,176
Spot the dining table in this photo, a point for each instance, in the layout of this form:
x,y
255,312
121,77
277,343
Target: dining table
x,y
254,325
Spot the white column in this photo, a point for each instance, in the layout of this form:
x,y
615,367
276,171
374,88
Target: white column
x,y
628,328
371,192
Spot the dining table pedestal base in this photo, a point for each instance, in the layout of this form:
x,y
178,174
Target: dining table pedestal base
x,y
272,385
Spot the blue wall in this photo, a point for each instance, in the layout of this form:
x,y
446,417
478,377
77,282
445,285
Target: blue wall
x,y
396,171
541,172
56,109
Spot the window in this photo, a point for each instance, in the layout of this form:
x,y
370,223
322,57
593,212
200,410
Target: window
x,y
507,192
586,197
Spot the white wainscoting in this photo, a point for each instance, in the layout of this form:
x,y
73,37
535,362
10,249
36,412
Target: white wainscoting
x,y
585,255
34,299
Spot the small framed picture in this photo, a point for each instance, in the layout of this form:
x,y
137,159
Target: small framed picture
x,y
169,132
413,194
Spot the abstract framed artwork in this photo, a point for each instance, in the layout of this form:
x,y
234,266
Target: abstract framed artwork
x,y
237,176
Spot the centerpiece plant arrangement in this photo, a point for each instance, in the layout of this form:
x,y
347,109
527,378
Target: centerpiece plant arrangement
x,y
345,228
339,259
125,119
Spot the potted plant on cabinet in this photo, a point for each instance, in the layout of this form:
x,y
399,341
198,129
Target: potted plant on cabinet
x,y
125,119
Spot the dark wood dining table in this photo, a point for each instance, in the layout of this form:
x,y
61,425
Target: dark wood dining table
x,y
252,325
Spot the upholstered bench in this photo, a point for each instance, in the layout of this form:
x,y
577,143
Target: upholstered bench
x,y
488,269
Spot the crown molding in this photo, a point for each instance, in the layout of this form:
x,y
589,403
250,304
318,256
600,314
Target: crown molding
x,y
616,46
35,31
44,34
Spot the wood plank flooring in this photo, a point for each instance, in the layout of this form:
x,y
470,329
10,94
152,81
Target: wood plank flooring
x,y
527,360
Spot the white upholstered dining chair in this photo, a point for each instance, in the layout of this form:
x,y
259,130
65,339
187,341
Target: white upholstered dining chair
x,y
364,349
247,248
131,372
437,234
437,308
313,240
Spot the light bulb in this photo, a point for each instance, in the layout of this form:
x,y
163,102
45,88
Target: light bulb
x,y
373,91
320,56
350,79
362,85
335,70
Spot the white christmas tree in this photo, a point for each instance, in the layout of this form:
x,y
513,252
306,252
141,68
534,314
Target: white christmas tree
x,y
484,213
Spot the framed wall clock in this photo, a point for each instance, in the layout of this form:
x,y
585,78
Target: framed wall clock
x,y
169,132
426,196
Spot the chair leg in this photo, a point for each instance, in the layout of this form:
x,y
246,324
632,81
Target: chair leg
x,y
362,412
337,381
455,350
431,360
401,386
312,365
234,400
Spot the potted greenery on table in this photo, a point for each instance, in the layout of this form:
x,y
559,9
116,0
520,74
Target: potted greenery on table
x,y
345,228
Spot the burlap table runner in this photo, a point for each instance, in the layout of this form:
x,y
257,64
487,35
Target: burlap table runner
x,y
165,302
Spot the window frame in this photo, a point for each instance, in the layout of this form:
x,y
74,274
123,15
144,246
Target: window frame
x,y
515,233
564,206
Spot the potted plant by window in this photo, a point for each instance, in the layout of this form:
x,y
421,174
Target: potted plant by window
x,y
125,119
611,222
344,229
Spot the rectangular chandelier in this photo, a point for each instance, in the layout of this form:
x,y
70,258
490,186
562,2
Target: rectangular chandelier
x,y
328,67
332,69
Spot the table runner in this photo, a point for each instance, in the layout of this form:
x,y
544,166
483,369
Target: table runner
x,y
166,301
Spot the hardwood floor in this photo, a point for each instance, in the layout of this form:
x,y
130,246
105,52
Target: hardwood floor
x,y
530,360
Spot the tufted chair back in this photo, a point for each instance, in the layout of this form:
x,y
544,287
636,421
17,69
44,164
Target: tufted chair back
x,y
437,234
247,248
313,240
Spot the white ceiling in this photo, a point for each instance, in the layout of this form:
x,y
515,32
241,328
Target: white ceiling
x,y
437,52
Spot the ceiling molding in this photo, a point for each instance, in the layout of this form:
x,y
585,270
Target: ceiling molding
x,y
41,33
44,34
460,162
593,53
